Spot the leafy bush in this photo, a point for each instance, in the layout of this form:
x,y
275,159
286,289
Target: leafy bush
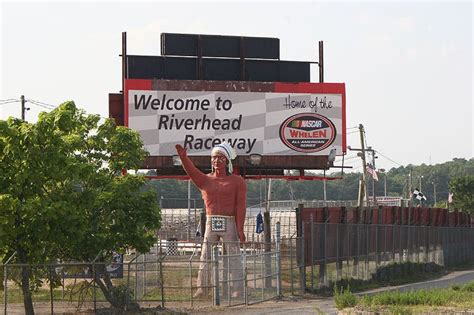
x,y
123,297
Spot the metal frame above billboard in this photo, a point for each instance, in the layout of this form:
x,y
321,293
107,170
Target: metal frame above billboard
x,y
286,123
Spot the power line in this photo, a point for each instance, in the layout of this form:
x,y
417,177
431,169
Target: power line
x,y
388,158
44,105
351,157
38,103
8,101
49,106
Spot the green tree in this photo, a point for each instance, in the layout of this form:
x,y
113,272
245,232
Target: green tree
x,y
62,196
462,188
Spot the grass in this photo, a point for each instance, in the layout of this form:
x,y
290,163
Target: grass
x,y
178,285
72,292
344,298
455,298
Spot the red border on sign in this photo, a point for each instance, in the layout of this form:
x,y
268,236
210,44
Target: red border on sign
x,y
134,84
279,87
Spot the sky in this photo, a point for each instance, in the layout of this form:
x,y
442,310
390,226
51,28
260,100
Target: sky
x,y
407,66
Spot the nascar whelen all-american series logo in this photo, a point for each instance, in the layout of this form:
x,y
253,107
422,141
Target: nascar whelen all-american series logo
x,y
307,132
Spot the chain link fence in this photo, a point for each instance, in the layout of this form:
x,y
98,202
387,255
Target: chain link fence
x,y
181,219
335,251
166,277
289,266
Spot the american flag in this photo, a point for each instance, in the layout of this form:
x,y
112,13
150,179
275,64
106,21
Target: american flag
x,y
450,198
372,172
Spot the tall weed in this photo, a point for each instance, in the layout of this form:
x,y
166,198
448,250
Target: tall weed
x,y
344,298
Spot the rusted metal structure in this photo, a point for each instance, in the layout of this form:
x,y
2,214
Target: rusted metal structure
x,y
269,165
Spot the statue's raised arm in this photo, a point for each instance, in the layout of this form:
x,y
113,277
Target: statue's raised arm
x,y
198,177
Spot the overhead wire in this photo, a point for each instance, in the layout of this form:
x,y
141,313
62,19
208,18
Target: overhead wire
x,y
388,158
41,103
49,106
352,157
8,101
365,140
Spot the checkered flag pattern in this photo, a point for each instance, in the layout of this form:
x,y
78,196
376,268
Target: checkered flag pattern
x,y
258,117
172,249
418,194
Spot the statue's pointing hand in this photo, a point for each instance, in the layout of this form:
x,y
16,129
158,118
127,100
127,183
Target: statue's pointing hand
x,y
181,151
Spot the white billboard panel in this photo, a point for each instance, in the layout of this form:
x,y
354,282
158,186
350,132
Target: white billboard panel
x,y
264,123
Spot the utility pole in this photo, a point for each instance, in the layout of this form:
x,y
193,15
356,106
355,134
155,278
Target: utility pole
x,y
23,107
373,179
363,192
419,178
382,170
434,193
364,163
324,190
267,229
410,192
321,61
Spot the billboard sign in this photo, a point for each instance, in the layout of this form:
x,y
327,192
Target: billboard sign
x,y
278,123
388,201
114,269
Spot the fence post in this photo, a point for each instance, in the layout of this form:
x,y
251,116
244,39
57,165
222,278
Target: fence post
x,y
377,240
144,275
51,289
299,219
338,265
5,288
355,266
312,252
268,249
278,256
225,273
392,258
93,288
323,246
162,280
291,263
191,280
202,222
246,298
215,256
367,257
302,263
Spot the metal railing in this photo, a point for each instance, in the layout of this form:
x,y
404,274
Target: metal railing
x,y
180,218
166,276
359,250
321,255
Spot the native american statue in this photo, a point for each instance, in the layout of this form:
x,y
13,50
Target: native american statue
x,y
225,197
